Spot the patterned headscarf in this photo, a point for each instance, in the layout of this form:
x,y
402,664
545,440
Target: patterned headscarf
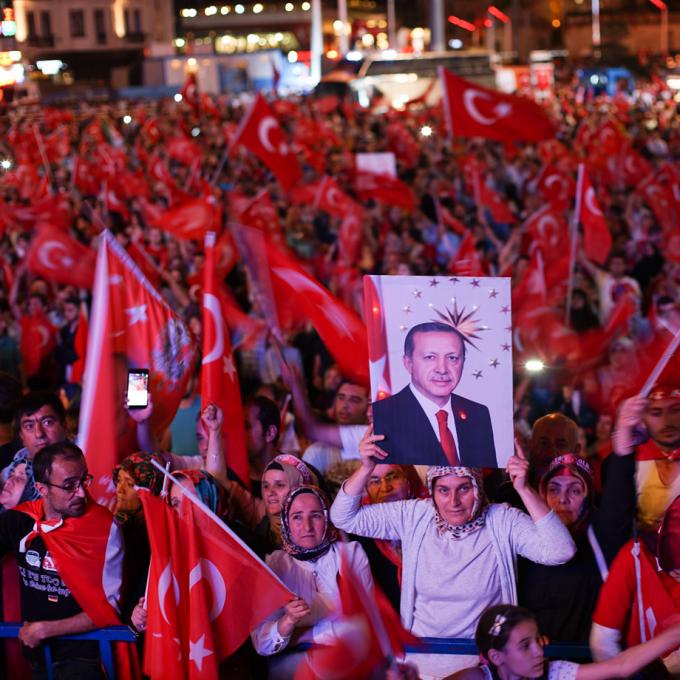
x,y
208,489
143,473
330,534
294,468
479,509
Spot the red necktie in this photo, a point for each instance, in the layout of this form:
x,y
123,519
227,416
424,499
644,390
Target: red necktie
x,y
446,439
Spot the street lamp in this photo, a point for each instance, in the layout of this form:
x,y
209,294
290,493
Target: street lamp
x,y
664,24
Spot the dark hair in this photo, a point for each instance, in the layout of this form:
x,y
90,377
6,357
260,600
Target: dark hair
x,y
43,460
34,401
495,626
39,296
430,327
268,414
72,300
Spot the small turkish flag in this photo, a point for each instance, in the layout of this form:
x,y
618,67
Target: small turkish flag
x,y
597,239
385,189
206,592
377,339
192,219
261,133
547,229
466,261
333,200
487,198
58,257
219,379
557,187
475,111
37,341
349,236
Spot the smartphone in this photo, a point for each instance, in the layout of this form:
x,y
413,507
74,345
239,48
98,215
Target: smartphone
x,y
138,388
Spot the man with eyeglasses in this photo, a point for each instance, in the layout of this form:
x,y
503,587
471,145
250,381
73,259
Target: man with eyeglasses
x,y
69,553
39,421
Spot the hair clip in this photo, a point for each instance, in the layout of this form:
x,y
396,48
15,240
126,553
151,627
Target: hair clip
x,y
495,630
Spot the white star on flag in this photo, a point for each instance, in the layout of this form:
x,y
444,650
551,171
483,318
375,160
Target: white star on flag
x,y
229,367
136,314
198,651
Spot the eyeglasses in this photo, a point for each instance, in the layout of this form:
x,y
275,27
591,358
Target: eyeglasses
x,y
390,478
73,485
46,422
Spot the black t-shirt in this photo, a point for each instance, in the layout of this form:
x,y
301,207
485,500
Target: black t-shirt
x,y
44,596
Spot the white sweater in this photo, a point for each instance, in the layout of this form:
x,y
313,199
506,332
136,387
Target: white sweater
x,y
511,532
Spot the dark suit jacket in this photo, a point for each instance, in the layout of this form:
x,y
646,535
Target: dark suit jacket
x,y
409,437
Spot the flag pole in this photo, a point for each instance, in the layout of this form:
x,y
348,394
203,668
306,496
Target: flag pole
x,y
574,235
661,364
207,511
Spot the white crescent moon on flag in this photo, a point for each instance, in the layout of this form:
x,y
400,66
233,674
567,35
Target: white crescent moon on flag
x,y
45,253
546,222
207,570
44,335
212,304
167,579
629,165
331,197
266,125
469,100
591,204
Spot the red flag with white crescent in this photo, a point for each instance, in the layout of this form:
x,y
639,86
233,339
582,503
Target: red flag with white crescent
x,y
58,257
261,133
219,379
192,219
597,239
547,229
487,198
131,326
557,187
475,111
385,189
207,592
80,346
374,314
349,236
38,339
466,261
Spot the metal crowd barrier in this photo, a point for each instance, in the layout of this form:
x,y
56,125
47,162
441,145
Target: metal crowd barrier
x,y
105,636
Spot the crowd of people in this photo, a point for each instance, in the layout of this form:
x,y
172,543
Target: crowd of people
x,y
577,540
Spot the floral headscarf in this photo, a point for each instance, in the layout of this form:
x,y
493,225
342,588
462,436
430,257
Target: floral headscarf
x,y
143,473
330,534
479,510
294,468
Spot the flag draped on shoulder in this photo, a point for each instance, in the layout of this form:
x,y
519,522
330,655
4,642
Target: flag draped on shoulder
x,y
472,110
207,591
219,379
131,326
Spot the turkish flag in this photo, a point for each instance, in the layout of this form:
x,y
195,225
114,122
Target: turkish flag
x,y
261,133
219,379
466,261
661,199
446,218
80,346
547,229
38,339
374,314
182,149
369,634
131,326
57,145
530,291
192,219
290,294
206,592
56,256
475,111
385,189
487,198
349,236
190,93
633,166
557,187
608,139
256,211
597,239
402,144
333,200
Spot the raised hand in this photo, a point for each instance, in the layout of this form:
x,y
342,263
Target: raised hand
x,y
212,417
369,452
518,468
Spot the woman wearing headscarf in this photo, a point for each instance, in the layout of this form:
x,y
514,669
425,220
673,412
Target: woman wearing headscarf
x,y
308,564
135,471
389,483
568,489
281,476
458,551
644,578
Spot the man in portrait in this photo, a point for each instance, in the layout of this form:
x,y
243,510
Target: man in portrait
x,y
426,423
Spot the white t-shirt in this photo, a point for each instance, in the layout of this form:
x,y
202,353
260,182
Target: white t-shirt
x,y
324,456
557,670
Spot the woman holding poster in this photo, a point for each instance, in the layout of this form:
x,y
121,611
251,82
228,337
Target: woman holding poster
x,y
458,550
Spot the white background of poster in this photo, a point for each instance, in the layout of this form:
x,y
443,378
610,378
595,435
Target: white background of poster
x,y
410,300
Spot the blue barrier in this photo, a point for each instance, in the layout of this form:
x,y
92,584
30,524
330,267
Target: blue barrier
x,y
105,636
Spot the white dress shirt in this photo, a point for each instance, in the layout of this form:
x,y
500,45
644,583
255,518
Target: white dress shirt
x,y
431,409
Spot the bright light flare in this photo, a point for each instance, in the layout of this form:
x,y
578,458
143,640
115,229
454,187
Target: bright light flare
x,y
6,163
426,131
127,119
178,97
534,366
